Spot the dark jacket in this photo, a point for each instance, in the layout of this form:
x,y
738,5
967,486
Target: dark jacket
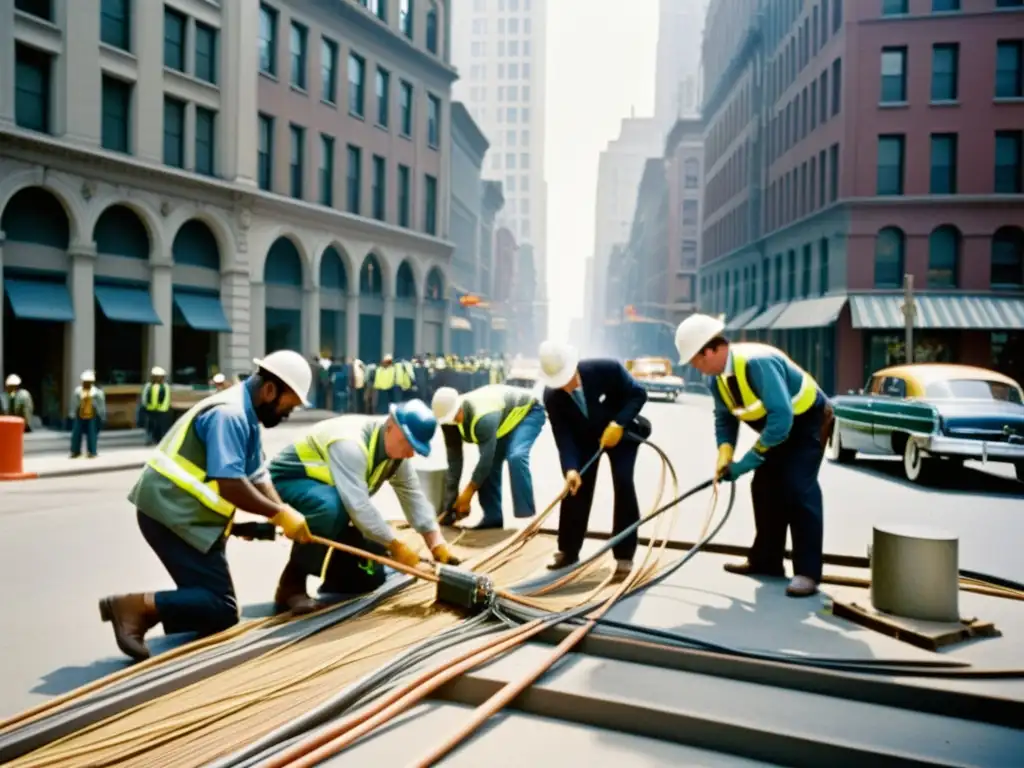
x,y
611,394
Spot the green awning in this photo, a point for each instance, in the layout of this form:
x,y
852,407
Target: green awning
x,y
819,312
766,318
939,312
744,317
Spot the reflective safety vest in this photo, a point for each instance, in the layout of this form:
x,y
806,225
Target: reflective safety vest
x,y
312,449
385,377
512,402
158,398
190,477
404,375
751,408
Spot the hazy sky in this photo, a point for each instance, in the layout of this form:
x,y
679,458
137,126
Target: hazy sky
x,y
600,63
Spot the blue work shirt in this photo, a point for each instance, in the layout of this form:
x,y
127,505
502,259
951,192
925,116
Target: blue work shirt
x,y
233,440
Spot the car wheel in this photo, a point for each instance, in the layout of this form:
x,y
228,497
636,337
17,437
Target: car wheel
x,y
916,466
835,451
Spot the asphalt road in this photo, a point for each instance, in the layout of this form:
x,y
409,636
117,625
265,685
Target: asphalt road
x,y
68,541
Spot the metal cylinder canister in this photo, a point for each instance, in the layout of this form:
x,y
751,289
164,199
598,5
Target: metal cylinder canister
x,y
473,592
915,572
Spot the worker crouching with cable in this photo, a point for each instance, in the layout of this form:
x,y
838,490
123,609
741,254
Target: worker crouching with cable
x,y
760,386
504,422
331,475
209,465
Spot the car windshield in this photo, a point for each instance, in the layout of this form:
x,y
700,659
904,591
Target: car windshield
x,y
650,367
973,389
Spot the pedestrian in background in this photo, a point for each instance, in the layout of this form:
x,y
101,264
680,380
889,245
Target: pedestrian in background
x,y
88,411
16,401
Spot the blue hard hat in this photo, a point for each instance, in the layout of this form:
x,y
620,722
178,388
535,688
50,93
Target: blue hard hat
x,y
418,424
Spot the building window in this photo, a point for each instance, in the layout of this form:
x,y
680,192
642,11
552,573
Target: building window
x,y
268,40
943,164
943,257
823,275
433,121
206,124
379,8
1008,162
823,104
174,40
791,275
265,155
894,75
295,164
689,255
778,277
432,28
328,71
938,6
1008,259
691,173
404,192
945,71
405,12
837,15
805,277
833,173
689,213
405,104
353,178
206,53
890,164
356,85
837,86
894,7
41,9
1010,69
117,102
379,191
326,170
430,205
889,246
383,97
298,54
174,132
116,23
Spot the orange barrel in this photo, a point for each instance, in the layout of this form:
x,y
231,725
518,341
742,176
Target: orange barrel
x,y
12,449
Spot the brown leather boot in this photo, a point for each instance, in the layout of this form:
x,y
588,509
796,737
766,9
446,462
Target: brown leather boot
x,y
291,593
746,569
131,616
562,560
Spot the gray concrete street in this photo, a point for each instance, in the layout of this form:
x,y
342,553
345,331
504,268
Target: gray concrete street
x,y
68,541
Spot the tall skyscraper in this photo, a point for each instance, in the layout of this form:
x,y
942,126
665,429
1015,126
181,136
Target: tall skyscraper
x,y
498,47
677,90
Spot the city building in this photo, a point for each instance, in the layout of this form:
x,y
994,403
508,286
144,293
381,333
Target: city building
x,y
192,184
499,47
850,144
493,200
677,86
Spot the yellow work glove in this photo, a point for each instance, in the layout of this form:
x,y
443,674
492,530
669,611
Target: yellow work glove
x,y
402,553
444,555
725,453
293,524
611,436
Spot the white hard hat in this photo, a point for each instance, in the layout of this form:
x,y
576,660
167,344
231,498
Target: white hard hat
x,y
218,378
694,333
557,364
445,405
14,380
157,371
291,368
387,358
440,364
89,376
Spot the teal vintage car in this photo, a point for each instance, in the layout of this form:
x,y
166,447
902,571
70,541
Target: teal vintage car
x,y
930,415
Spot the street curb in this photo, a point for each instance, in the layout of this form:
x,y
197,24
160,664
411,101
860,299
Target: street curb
x,y
46,475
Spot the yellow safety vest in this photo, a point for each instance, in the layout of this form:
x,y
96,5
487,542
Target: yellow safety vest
x,y
751,408
384,378
312,449
404,376
513,404
153,400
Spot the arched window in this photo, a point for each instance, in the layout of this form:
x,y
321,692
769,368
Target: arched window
x,y
943,257
890,244
405,282
432,28
370,281
1008,259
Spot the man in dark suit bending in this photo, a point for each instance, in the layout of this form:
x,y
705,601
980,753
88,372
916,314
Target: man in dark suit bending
x,y
590,404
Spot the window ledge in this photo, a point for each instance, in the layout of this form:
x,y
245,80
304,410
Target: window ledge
x,y
269,75
34,21
357,116
185,77
1009,99
893,104
328,103
944,103
406,136
119,53
298,89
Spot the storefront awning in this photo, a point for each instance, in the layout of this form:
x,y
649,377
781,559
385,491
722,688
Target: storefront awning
x,y
766,318
459,324
819,312
202,311
40,300
742,319
127,305
939,312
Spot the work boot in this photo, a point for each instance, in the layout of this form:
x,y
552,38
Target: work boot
x,y
623,568
801,586
562,560
131,616
291,596
746,569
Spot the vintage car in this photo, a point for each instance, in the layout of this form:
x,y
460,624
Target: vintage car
x,y
932,415
655,375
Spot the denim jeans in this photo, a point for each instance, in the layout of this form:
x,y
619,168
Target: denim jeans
x,y
515,449
87,428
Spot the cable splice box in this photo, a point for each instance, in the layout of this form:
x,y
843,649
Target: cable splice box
x,y
472,592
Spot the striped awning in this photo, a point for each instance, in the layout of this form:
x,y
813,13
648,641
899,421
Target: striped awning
x,y
939,311
818,312
766,318
742,318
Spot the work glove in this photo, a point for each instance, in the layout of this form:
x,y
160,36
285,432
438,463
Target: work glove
x,y
444,555
725,454
404,554
293,524
463,502
751,460
573,480
611,436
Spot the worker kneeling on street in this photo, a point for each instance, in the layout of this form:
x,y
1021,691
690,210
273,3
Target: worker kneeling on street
x,y
760,386
207,466
331,475
505,422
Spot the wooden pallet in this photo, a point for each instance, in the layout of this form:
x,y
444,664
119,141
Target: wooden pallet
x,y
929,635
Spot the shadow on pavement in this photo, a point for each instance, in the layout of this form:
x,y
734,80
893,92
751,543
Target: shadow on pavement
x,y
954,479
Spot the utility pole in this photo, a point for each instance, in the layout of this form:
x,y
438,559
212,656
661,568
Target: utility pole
x,y
909,310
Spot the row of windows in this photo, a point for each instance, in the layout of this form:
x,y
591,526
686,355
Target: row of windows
x,y
505,26
511,138
891,167
509,48
510,6
377,209
902,7
406,21
807,110
505,93
806,188
511,71
728,233
945,79
804,44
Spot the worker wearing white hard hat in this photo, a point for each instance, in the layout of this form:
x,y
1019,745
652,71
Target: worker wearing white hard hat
x,y
87,412
760,386
591,403
16,401
208,466
155,405
220,382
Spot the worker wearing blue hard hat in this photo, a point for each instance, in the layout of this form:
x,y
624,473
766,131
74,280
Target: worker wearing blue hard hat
x,y
330,475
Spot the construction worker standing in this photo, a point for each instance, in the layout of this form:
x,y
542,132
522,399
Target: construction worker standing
x,y
331,475
88,411
209,465
505,422
16,401
220,382
760,386
156,403
384,385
